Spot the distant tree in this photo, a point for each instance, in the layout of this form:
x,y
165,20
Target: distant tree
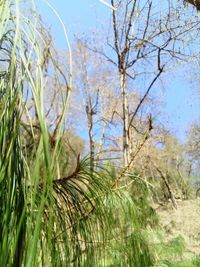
x,y
193,149
194,142
164,166
96,101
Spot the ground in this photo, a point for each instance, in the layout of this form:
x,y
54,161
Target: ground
x,y
178,238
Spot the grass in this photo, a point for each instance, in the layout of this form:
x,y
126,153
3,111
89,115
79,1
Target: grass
x,y
171,253
194,263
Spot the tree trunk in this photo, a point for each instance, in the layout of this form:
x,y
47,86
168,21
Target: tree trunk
x,y
125,114
89,112
168,186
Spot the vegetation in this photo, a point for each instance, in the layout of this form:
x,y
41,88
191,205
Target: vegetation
x,y
59,206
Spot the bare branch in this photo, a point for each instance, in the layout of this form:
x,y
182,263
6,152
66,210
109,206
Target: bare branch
x,y
145,96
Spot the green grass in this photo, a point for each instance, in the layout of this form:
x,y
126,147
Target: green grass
x,y
194,263
171,254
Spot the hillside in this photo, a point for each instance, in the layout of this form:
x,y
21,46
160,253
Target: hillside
x,y
180,230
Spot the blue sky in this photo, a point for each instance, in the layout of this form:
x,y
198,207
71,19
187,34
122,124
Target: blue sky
x,y
78,16
182,104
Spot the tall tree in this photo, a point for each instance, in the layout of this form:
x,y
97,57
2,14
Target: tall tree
x,y
143,33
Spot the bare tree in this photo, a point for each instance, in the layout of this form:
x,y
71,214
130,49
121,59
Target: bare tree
x,y
142,35
95,100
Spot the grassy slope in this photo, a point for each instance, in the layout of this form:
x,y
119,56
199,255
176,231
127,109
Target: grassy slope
x,y
177,242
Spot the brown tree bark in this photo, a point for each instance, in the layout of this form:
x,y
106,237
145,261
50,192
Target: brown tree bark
x,y
195,3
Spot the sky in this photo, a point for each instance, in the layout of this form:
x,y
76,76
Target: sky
x,y
182,103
